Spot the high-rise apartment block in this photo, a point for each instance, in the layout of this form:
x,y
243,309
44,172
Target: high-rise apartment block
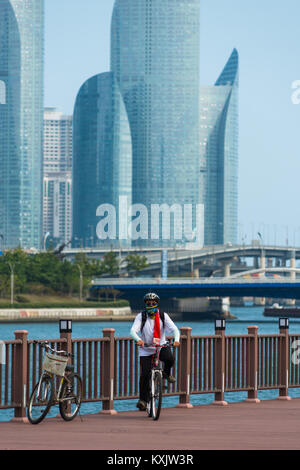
x,y
178,142
102,156
155,70
57,189
21,121
219,155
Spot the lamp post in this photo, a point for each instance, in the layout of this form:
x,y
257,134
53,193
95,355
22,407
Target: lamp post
x,y
12,281
80,281
262,258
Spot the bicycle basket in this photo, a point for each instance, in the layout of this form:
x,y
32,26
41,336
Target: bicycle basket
x,y
55,364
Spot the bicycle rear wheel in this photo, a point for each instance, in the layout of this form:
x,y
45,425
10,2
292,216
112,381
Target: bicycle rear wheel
x,y
41,400
156,395
71,396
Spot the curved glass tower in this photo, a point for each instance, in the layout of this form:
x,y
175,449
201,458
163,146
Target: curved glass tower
x,y
102,155
219,155
155,58
21,69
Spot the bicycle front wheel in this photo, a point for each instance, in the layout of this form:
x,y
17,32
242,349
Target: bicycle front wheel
x,y
71,395
156,395
41,399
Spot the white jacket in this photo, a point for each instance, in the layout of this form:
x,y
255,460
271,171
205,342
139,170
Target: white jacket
x,y
148,330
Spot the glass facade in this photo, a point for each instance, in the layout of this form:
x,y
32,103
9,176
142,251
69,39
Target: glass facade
x,y
102,155
219,155
155,58
21,69
10,163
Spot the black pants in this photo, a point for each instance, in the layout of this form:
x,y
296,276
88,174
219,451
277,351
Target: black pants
x,y
166,357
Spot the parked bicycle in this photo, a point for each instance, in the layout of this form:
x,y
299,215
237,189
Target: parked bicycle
x,y
155,383
44,395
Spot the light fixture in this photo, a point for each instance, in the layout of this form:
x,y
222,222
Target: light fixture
x,y
220,324
283,323
65,326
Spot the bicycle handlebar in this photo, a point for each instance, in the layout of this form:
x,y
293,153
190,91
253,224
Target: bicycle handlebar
x,y
148,345
45,344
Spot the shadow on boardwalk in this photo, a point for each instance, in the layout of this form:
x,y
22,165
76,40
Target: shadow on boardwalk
x,y
268,425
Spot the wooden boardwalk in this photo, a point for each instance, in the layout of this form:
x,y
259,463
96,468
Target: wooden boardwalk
x,y
268,425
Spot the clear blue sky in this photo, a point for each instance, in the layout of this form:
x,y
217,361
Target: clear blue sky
x,y
266,34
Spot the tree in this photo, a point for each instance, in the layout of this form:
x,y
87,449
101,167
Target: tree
x,y
136,263
110,263
13,267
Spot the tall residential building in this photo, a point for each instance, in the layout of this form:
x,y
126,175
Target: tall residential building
x,y
155,59
21,121
57,190
102,160
219,155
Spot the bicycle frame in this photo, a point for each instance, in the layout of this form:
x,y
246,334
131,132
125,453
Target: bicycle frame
x,y
56,385
155,357
51,375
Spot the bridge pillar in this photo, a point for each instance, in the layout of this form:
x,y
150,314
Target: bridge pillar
x,y
293,266
196,273
263,263
292,276
226,265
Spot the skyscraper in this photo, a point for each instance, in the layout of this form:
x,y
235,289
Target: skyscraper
x,y
21,121
219,155
57,191
102,156
155,59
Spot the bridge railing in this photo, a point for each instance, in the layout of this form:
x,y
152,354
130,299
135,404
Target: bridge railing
x,y
202,280
110,369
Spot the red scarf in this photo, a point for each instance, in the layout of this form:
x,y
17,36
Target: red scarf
x,y
156,334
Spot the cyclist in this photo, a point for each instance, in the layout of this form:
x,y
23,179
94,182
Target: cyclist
x,y
152,324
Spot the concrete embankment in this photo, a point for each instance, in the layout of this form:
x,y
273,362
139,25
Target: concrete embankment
x,y
75,314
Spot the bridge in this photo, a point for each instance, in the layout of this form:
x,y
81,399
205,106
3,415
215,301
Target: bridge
x,y
213,287
205,262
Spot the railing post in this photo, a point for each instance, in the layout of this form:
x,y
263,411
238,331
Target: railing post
x,y
220,363
284,355
252,364
20,379
65,330
185,367
108,373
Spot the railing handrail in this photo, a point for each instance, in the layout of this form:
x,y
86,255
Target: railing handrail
x,y
189,280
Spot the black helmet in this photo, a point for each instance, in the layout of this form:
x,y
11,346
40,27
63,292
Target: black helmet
x,y
151,296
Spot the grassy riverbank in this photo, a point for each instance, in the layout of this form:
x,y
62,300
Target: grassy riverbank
x,y
26,301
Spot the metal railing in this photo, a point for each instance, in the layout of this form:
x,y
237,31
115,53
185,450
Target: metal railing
x,y
202,280
109,366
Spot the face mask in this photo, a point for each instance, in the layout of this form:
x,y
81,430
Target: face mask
x,y
151,310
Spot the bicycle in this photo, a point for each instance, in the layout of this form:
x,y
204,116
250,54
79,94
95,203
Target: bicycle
x,y
44,394
155,383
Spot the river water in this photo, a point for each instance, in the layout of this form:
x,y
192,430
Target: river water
x,y
245,316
